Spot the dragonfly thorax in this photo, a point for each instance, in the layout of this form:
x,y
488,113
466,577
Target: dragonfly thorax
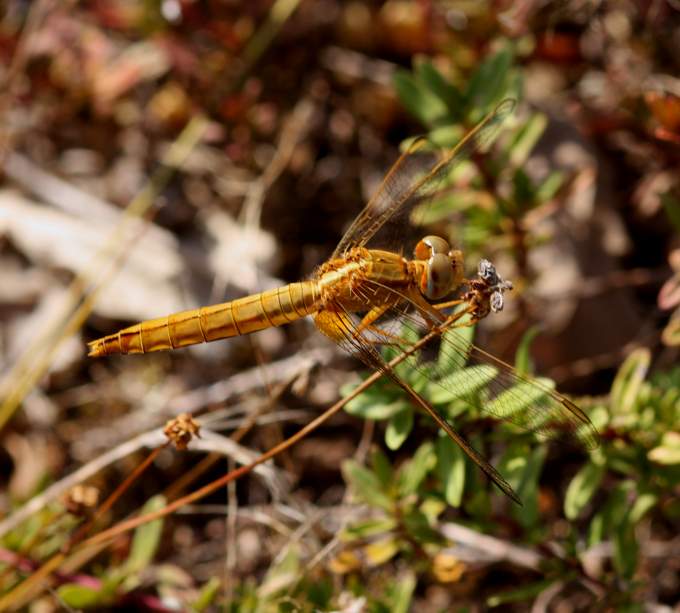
x,y
442,269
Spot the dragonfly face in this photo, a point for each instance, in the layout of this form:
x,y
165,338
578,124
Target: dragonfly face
x,y
443,269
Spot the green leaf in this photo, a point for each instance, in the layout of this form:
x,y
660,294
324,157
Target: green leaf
x,y
382,468
519,397
671,333
523,190
207,595
523,363
368,528
581,489
282,574
455,347
146,539
549,187
373,405
629,380
625,548
462,383
412,473
366,485
380,551
451,469
643,503
526,592
403,593
489,83
527,488
525,139
668,452
420,101
398,428
440,87
82,597
446,136
418,526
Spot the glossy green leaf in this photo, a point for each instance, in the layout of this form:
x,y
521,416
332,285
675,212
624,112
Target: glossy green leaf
x,y
81,597
420,101
382,468
549,187
462,383
644,503
207,595
581,489
461,338
380,551
448,93
625,549
368,528
489,83
398,428
521,594
412,473
146,539
525,139
527,488
523,363
668,452
451,469
628,381
519,397
418,526
374,406
523,190
671,333
365,485
283,574
403,593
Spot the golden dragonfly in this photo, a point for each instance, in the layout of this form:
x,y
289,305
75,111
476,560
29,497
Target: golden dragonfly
x,y
366,298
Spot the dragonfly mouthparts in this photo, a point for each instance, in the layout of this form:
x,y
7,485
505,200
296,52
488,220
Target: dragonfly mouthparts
x,y
495,284
486,292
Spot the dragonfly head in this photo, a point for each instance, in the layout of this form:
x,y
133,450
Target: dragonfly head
x,y
443,269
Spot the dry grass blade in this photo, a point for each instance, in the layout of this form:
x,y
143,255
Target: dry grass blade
x,y
85,288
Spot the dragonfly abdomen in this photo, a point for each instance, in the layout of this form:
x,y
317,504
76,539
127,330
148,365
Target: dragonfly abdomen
x,y
242,316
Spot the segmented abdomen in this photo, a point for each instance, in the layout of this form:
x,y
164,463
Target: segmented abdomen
x,y
210,323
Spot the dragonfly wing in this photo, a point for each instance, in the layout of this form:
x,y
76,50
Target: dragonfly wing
x,y
415,177
460,372
344,328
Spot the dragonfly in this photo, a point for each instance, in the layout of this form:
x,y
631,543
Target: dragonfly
x,y
369,299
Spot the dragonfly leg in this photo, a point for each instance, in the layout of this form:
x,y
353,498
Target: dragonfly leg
x,y
447,305
372,316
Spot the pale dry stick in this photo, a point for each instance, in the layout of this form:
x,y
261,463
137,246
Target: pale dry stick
x,y
71,199
490,548
35,360
213,394
274,451
23,592
147,440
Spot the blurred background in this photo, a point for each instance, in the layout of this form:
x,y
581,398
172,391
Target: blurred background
x,y
161,155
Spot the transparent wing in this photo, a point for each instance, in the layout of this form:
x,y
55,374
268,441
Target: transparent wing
x,y
460,373
415,178
364,345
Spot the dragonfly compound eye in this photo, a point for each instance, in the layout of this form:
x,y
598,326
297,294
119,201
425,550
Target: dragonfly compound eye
x,y
430,245
438,277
